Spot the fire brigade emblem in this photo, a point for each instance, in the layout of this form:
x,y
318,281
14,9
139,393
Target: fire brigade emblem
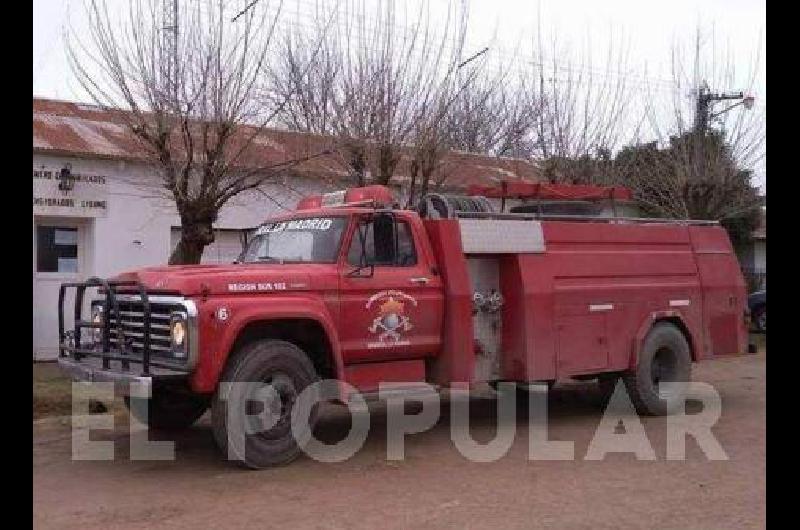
x,y
391,320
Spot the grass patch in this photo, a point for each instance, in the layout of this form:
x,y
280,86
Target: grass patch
x,y
52,392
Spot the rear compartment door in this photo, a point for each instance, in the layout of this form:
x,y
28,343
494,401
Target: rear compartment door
x,y
582,338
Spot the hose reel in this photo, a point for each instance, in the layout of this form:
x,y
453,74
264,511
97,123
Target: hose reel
x,y
441,206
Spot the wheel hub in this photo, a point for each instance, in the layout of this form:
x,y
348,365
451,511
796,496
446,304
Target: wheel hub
x,y
663,368
278,396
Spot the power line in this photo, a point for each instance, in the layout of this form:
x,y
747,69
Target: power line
x,y
473,57
367,33
498,62
243,11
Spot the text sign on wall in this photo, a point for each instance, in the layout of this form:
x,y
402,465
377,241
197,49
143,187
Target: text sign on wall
x,y
87,198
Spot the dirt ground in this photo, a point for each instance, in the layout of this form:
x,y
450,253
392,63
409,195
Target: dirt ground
x,y
435,487
51,391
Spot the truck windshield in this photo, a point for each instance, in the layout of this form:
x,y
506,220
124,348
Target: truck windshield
x,y
312,240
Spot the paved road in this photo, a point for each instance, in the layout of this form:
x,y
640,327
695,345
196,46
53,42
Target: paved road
x,y
435,487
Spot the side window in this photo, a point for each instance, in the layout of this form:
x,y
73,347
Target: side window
x,y
379,244
406,253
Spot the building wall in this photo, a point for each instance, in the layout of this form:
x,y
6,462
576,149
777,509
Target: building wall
x,y
123,221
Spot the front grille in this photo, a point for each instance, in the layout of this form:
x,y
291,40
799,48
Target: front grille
x,y
124,327
131,316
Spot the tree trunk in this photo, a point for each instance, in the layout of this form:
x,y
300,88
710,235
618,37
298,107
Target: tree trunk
x,y
387,161
358,164
194,238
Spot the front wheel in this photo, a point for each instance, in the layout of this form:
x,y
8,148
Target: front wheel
x,y
272,374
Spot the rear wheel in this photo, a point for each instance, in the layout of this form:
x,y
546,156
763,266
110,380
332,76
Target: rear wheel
x,y
665,358
167,408
283,370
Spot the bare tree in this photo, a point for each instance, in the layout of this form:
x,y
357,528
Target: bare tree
x,y
494,114
373,82
429,144
557,110
579,112
187,91
691,169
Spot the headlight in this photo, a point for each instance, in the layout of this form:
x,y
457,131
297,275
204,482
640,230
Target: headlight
x,y
178,334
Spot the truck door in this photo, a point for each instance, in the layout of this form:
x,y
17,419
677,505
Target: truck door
x,y
391,302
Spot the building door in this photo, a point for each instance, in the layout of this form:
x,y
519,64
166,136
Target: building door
x,y
60,247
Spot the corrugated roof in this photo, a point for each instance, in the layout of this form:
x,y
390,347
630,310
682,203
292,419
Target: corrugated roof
x,y
87,131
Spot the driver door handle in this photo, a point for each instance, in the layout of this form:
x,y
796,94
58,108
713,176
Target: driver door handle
x,y
421,280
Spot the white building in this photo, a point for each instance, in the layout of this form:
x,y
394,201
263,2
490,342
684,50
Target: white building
x,y
115,217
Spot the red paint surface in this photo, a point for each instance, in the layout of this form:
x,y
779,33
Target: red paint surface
x,y
367,376
457,358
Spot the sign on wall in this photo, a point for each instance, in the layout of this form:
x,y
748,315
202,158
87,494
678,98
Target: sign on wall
x,y
68,193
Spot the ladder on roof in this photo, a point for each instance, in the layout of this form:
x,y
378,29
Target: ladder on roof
x,y
581,218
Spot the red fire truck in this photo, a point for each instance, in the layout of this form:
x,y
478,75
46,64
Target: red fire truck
x,y
349,287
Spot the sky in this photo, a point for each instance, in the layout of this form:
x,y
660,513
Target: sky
x,y
647,30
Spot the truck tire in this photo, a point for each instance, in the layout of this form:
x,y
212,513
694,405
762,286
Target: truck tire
x,y
665,357
167,409
288,370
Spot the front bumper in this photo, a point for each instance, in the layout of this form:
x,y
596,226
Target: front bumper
x,y
91,370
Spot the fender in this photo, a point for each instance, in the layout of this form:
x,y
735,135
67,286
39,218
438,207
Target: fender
x,y
647,324
217,337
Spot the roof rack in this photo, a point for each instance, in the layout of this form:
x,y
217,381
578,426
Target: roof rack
x,y
582,218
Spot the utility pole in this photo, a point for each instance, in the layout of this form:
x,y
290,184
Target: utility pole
x,y
705,99
169,42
